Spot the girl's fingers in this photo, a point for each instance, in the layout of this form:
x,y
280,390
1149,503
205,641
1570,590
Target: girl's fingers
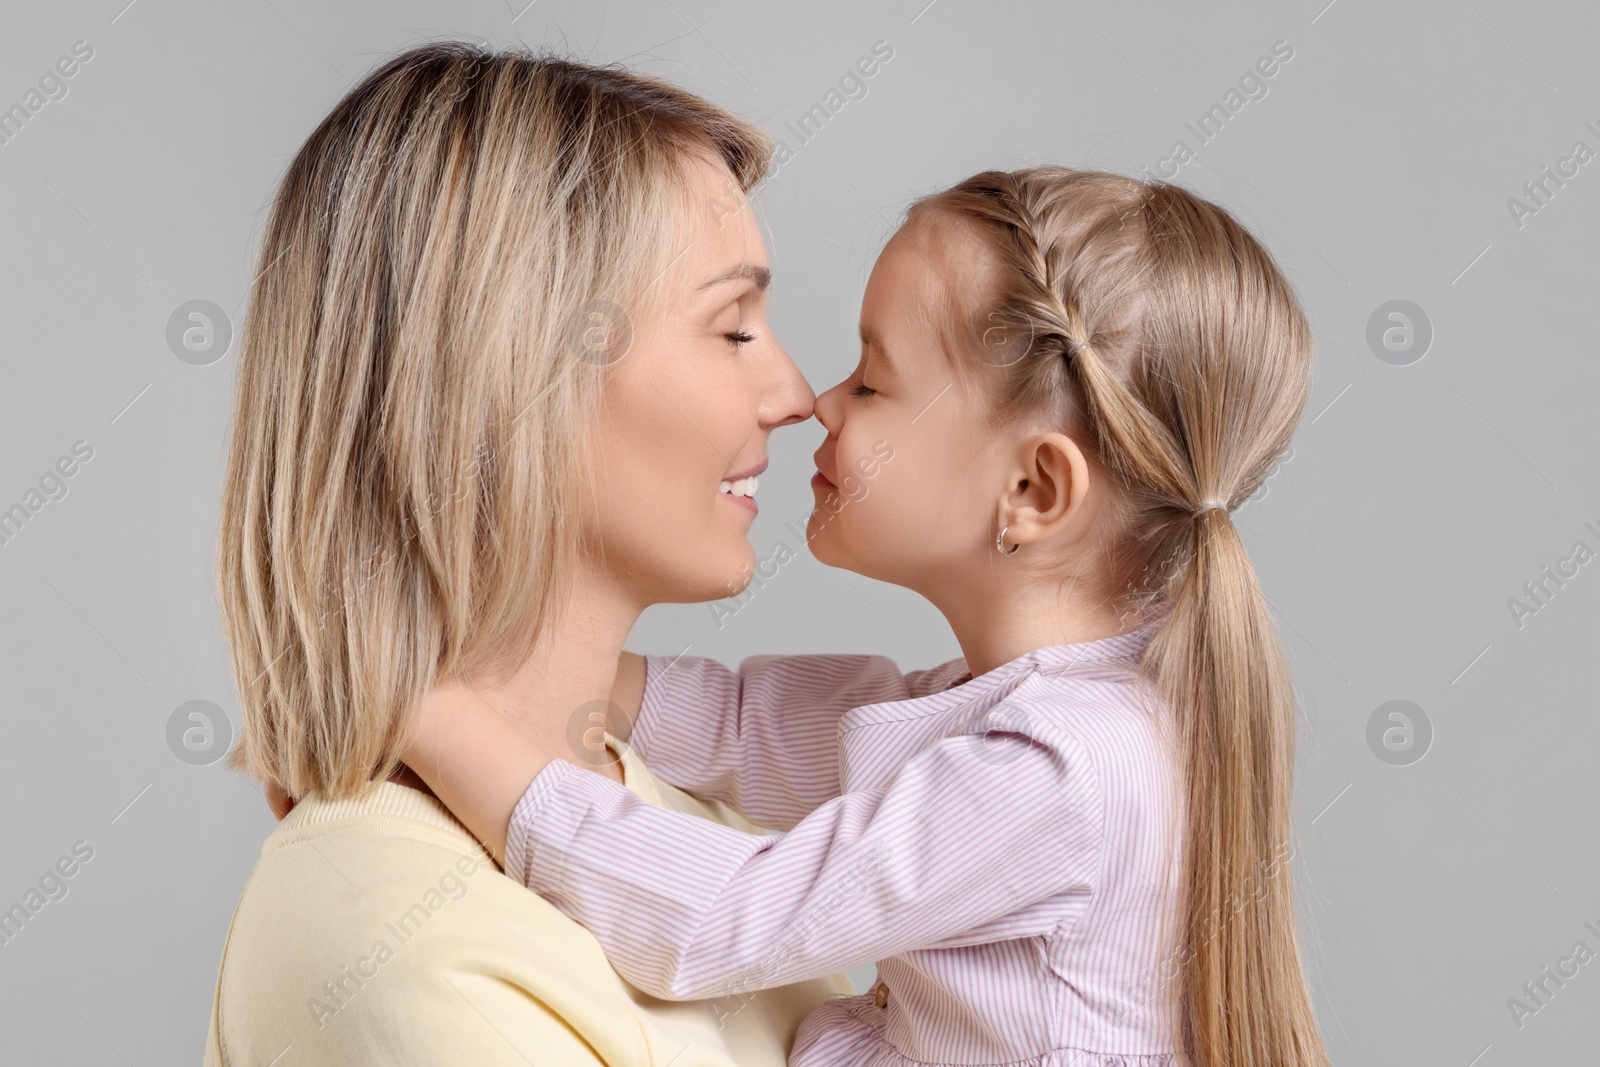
x,y
280,802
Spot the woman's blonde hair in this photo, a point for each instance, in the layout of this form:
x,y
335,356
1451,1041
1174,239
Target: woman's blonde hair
x,y
418,370
1152,328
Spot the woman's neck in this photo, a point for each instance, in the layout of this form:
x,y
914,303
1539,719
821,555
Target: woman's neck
x,y
562,690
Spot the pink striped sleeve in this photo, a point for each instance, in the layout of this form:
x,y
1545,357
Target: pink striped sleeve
x,y
764,740
985,839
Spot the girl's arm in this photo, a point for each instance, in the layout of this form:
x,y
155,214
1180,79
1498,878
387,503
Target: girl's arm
x,y
964,845
974,840
763,739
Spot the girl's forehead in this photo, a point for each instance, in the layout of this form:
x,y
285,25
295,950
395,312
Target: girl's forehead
x,y
953,250
933,269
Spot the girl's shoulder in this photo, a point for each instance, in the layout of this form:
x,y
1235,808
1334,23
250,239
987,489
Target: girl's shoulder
x,y
1114,718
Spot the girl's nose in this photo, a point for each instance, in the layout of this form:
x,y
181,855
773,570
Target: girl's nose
x,y
826,409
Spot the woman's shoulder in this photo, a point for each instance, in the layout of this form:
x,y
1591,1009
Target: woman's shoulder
x,y
399,863
361,915
379,931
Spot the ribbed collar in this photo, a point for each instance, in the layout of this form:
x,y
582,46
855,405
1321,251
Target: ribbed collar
x,y
404,802
378,798
1117,651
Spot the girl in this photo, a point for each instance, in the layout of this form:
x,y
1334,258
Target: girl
x,y
1066,847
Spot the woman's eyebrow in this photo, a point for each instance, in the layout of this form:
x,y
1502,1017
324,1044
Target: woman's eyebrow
x,y
760,275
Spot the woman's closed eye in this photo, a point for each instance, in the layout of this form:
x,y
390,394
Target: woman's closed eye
x,y
739,338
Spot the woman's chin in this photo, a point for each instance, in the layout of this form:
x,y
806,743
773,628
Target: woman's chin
x,y
735,570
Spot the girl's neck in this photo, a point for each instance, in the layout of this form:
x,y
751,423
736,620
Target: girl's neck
x,y
995,627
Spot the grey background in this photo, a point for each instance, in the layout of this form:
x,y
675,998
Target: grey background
x,y
1418,500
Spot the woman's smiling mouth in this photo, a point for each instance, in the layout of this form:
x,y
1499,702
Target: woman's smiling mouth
x,y
741,488
742,491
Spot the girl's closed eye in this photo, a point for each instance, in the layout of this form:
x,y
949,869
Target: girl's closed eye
x,y
862,389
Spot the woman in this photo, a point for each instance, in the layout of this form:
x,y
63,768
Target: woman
x,y
479,266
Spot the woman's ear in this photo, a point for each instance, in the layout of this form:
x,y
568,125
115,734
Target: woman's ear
x,y
1043,488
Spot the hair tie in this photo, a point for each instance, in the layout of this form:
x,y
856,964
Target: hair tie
x,y
1207,505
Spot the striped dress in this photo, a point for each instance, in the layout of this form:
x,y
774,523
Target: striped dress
x,y
1005,848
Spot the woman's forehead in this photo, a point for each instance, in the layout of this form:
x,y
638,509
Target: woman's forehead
x,y
719,233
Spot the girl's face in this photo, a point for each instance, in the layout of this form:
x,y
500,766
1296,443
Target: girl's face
x,y
907,484
687,408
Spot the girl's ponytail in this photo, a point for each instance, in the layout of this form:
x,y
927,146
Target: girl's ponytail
x,y
1242,996
1165,341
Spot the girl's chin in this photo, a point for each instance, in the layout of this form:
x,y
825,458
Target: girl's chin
x,y
829,547
821,542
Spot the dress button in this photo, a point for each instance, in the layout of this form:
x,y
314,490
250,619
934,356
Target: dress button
x,y
880,993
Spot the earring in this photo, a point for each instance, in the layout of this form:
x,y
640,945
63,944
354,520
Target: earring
x,y
1000,542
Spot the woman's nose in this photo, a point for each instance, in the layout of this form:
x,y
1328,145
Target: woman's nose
x,y
789,399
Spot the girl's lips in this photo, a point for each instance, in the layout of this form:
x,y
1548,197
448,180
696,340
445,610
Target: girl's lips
x,y
820,481
816,461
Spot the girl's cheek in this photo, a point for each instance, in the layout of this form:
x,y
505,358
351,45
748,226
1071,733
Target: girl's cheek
x,y
852,487
862,477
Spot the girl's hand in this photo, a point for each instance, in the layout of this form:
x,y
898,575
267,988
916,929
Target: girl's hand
x,y
475,760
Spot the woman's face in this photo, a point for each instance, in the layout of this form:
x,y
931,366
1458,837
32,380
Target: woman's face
x,y
687,410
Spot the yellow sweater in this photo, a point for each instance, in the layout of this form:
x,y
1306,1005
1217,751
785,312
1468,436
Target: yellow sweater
x,y
378,931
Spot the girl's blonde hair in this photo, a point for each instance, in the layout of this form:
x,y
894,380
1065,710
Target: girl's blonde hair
x,y
417,373
1151,327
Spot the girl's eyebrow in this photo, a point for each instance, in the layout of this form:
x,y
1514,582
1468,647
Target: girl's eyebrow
x,y
760,275
874,346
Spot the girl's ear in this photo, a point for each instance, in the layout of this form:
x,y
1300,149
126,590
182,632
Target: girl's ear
x,y
1044,488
